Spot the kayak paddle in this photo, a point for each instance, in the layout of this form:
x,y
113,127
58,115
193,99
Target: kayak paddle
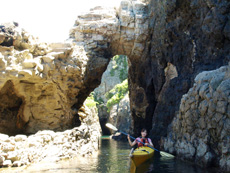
x,y
162,153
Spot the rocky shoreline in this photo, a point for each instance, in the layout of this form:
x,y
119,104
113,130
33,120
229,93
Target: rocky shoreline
x,y
200,131
47,145
167,43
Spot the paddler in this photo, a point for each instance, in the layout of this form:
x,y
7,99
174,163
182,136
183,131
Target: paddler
x,y
140,140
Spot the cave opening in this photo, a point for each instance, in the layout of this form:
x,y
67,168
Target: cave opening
x,y
10,104
110,97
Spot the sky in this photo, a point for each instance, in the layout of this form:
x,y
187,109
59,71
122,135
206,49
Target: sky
x,y
50,20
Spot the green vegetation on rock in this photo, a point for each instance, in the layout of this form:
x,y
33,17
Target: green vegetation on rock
x,y
121,66
90,102
98,100
115,95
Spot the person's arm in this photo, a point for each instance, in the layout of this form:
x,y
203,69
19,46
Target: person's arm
x,y
131,143
150,143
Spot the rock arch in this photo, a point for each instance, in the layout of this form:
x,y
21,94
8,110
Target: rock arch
x,y
106,32
155,34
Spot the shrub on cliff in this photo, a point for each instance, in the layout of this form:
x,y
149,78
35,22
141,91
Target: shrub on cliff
x,y
116,94
121,65
90,102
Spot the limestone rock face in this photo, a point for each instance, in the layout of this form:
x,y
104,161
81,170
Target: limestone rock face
x,y
200,130
48,146
40,84
110,31
167,43
115,73
106,32
187,34
120,115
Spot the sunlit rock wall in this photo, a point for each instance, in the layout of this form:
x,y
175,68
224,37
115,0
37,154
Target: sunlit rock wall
x,y
167,44
201,129
40,83
120,116
48,146
119,31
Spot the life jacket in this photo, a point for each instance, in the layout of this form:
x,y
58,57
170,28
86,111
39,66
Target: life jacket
x,y
139,140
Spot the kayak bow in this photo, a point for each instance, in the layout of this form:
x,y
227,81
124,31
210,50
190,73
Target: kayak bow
x,y
141,154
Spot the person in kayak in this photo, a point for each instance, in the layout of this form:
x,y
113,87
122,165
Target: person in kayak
x,y
140,140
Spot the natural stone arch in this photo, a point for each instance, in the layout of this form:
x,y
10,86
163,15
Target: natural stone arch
x,y
175,41
106,32
111,31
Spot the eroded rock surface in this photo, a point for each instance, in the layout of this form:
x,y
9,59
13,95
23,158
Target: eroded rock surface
x,y
40,84
49,146
167,43
201,129
120,116
124,31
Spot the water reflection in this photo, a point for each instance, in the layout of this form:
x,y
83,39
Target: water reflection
x,y
159,164
113,157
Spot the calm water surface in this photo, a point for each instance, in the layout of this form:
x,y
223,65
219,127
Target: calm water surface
x,y
113,157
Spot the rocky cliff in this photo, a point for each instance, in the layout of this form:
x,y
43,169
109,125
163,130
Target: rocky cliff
x,y
191,35
120,116
49,146
116,73
123,31
41,85
167,43
200,130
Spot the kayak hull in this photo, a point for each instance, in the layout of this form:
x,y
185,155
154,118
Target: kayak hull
x,y
141,154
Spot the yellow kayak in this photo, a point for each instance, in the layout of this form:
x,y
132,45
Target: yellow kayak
x,y
141,154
